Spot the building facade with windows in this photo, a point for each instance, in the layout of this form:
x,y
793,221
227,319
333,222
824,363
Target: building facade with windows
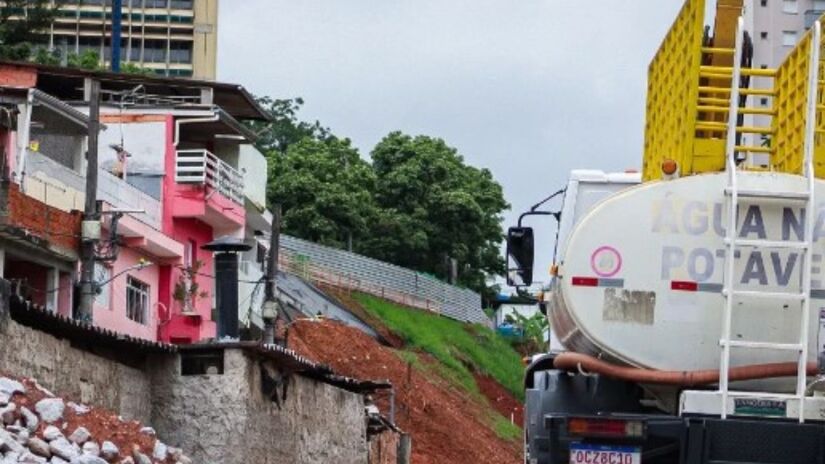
x,y
170,37
775,27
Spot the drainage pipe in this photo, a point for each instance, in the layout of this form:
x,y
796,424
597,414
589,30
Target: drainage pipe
x,y
578,361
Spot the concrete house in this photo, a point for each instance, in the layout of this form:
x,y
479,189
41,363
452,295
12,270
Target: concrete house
x,y
173,154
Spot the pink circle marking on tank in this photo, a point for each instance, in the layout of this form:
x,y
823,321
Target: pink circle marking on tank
x,y
617,265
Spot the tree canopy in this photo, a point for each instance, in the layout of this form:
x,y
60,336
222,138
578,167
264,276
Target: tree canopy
x,y
19,33
325,190
441,209
417,204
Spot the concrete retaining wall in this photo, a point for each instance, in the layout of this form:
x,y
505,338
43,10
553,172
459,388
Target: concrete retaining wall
x,y
211,414
76,374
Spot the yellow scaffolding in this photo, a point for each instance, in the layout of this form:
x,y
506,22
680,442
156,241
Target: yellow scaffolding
x,y
688,101
672,93
791,90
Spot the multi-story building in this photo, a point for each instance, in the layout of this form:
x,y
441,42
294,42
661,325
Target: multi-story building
x,y
177,170
171,37
775,27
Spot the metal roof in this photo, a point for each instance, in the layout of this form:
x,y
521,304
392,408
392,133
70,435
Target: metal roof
x,y
37,317
233,98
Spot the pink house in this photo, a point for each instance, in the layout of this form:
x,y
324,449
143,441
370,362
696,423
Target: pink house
x,y
173,177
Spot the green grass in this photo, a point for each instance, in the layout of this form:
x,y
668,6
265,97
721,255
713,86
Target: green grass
x,y
505,429
458,347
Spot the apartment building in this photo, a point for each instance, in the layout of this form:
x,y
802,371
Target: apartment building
x,y
775,27
171,37
177,171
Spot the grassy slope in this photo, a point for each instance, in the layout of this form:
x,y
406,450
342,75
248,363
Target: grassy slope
x,y
454,344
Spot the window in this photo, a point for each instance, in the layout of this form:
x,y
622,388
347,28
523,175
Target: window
x,y
790,6
763,35
103,277
788,38
189,250
137,300
180,52
154,51
764,3
181,4
764,66
763,101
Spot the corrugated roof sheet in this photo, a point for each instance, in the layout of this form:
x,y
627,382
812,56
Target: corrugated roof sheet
x,y
37,317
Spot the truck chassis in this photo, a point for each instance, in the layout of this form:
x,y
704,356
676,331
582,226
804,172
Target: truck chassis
x,y
554,398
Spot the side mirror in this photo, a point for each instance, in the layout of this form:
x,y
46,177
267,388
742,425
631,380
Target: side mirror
x,y
520,246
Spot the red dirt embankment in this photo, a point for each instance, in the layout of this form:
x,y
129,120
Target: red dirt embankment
x,y
447,425
500,399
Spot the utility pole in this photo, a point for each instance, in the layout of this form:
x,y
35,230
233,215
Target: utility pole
x,y
270,309
117,32
90,230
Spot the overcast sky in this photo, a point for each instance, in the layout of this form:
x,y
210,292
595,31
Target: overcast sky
x,y
528,88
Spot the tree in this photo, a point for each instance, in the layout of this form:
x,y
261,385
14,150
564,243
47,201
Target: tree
x,y
534,329
435,208
88,60
325,189
19,32
417,205
285,129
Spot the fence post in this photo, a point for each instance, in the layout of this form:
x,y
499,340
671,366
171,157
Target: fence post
x,y
404,449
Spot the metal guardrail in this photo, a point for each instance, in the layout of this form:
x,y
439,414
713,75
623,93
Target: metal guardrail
x,y
203,167
351,271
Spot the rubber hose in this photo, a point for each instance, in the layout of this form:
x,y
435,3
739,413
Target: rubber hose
x,y
574,361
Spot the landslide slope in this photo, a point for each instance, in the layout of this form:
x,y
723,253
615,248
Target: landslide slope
x,y
457,386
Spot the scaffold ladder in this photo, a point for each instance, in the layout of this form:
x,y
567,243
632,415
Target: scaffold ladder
x,y
736,196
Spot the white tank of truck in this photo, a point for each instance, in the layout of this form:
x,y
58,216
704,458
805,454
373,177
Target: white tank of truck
x,y
640,274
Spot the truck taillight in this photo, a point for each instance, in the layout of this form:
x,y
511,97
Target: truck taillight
x,y
605,428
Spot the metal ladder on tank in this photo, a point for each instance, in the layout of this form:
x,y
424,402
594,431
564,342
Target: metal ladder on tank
x,y
733,242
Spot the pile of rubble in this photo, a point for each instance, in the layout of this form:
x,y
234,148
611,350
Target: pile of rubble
x,y
36,428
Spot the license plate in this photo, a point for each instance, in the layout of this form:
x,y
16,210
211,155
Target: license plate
x,y
581,453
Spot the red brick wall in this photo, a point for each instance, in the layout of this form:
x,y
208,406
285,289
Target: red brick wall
x,y
60,228
17,76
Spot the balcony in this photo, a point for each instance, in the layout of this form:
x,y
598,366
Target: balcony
x,y
201,167
64,188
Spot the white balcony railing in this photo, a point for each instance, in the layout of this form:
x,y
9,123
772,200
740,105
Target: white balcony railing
x,y
202,167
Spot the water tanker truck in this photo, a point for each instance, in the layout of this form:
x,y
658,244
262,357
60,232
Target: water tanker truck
x,y
687,302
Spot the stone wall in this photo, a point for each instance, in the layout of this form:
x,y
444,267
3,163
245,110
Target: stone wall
x,y
226,418
218,418
76,374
